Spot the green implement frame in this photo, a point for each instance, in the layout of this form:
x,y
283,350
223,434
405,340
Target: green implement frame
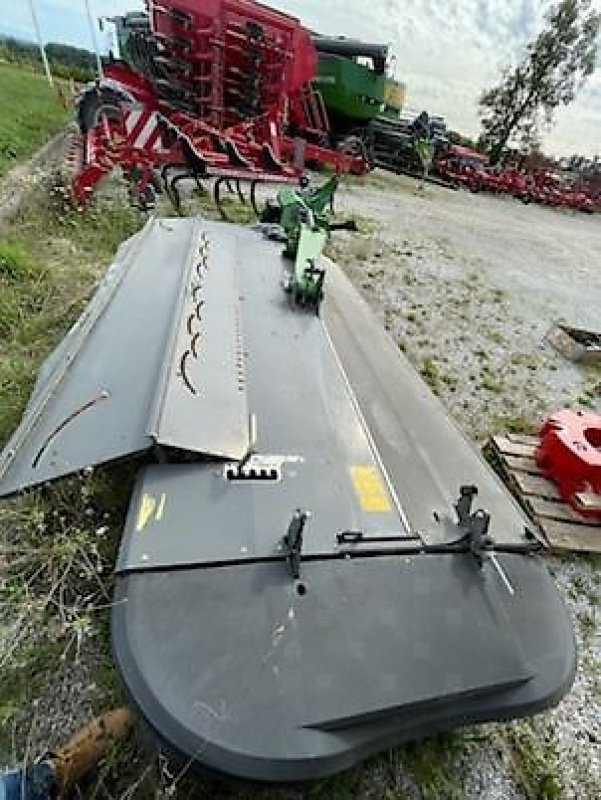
x,y
304,217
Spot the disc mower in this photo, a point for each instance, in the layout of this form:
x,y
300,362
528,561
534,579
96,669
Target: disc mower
x,y
315,566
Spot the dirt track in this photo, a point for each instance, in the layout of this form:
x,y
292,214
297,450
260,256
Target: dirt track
x,y
549,260
23,178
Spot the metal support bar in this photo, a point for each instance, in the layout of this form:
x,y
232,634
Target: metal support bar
x,y
293,541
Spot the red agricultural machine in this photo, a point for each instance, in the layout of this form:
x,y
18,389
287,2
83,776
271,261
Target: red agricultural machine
x,y
548,188
205,89
461,166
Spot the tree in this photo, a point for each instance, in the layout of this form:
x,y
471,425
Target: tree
x,y
554,68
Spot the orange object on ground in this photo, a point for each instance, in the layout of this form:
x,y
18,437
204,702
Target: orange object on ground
x,y
88,746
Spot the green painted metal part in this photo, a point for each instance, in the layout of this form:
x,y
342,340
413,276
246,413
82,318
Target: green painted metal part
x,y
425,151
304,219
307,285
355,92
394,98
349,89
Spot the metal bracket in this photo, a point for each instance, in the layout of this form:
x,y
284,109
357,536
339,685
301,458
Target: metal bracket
x,y
252,469
293,541
474,525
358,537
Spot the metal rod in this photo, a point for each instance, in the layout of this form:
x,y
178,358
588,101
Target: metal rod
x,y
94,39
38,34
502,575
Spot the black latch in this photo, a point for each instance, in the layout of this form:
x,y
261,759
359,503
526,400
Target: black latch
x,y
293,541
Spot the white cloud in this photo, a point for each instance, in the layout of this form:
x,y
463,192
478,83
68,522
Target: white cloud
x,y
447,51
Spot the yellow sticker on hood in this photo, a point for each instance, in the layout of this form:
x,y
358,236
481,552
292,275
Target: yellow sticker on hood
x,y
149,509
370,490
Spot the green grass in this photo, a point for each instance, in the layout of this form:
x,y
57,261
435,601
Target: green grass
x,y
533,754
15,264
58,585
514,423
49,263
432,764
431,374
56,596
30,113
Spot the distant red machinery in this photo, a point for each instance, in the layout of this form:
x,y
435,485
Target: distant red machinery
x,y
548,188
570,454
461,165
205,89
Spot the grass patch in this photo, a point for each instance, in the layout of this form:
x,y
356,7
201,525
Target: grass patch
x,y
587,624
235,210
60,548
49,264
491,384
58,545
431,374
495,336
366,226
516,423
432,763
15,262
381,180
534,761
30,113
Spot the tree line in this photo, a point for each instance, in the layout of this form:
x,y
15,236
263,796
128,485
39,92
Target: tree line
x,y
65,60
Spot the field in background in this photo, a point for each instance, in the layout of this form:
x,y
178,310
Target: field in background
x,y
30,113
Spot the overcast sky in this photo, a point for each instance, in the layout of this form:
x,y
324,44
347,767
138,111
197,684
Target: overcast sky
x,y
446,51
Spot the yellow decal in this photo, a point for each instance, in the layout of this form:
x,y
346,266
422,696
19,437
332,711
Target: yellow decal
x,y
149,508
369,489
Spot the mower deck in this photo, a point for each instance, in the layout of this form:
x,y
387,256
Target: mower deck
x,y
305,589
253,673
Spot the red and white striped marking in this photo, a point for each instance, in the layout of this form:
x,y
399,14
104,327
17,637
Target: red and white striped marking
x,y
141,128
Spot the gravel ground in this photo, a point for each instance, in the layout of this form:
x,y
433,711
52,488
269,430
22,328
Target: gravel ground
x,y
468,285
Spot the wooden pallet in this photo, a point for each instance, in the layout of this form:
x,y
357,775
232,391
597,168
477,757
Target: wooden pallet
x,y
565,529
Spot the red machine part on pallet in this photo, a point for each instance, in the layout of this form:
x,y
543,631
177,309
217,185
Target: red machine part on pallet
x,y
223,89
570,454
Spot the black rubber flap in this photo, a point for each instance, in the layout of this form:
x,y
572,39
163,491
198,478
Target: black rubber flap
x,y
249,672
